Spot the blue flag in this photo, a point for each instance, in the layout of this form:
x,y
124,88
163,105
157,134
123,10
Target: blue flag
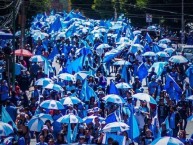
x,y
189,73
53,53
136,40
133,132
142,71
148,38
155,48
70,31
75,66
176,86
56,25
69,137
87,92
6,117
159,67
113,117
124,74
113,89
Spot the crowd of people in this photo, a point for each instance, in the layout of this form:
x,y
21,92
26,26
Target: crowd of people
x,y
167,117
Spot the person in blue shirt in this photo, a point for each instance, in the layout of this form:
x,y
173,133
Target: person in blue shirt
x,y
21,139
152,86
12,110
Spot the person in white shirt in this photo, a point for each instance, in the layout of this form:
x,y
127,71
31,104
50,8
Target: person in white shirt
x,y
139,56
139,117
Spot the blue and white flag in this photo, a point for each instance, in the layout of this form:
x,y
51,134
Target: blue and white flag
x,y
113,117
75,66
142,71
148,38
113,89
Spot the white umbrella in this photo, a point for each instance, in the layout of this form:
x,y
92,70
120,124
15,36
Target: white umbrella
x,y
144,97
116,126
54,87
178,59
114,99
66,77
167,141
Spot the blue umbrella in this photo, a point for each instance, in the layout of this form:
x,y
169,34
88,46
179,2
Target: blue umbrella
x,y
52,104
123,86
145,97
43,82
36,122
40,35
178,59
70,118
66,77
70,100
82,75
190,98
5,129
167,141
37,58
149,53
122,62
115,127
169,51
114,99
54,87
162,45
165,40
162,54
90,119
136,32
136,47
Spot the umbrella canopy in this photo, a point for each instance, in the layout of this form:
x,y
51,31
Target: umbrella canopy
x,y
164,41
167,141
54,87
81,75
70,100
37,58
39,35
190,98
149,53
52,104
89,119
101,47
23,52
169,50
162,54
123,86
144,97
122,62
116,126
178,59
70,118
114,99
36,122
43,82
136,32
66,77
164,46
5,129
136,47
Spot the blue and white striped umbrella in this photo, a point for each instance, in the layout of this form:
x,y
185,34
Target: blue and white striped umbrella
x,y
101,47
55,87
167,141
5,129
162,54
145,97
114,99
43,82
149,53
164,41
123,86
81,75
136,47
52,104
70,100
36,122
178,59
37,58
89,119
122,62
70,118
169,50
115,127
164,46
66,77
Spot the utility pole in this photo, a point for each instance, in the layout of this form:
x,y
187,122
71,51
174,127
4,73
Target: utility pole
x,y
13,41
23,20
182,24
